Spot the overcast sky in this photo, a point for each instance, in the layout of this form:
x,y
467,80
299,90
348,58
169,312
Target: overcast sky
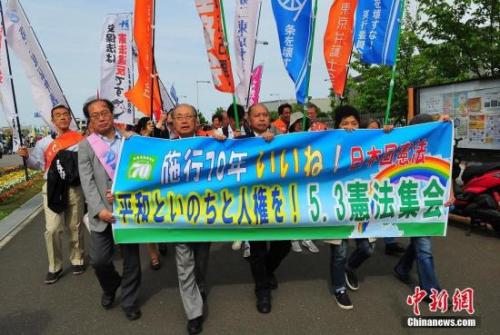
x,y
69,32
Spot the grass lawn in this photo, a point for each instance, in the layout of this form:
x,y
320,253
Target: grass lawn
x,y
9,205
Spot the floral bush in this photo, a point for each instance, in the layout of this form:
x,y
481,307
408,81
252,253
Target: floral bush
x,y
14,180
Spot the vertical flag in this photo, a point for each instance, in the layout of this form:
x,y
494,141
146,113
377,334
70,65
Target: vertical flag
x,y
140,95
245,34
22,40
255,85
6,97
294,23
166,99
218,53
376,31
116,65
173,94
337,46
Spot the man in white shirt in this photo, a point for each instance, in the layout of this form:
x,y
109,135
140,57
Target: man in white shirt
x,y
45,152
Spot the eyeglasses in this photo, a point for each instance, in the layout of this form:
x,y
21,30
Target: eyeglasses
x,y
185,117
104,114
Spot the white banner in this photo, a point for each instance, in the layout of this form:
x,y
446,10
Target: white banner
x,y
22,40
6,97
167,101
116,65
245,33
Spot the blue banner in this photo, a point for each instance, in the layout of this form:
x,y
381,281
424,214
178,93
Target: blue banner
x,y
318,185
294,24
376,30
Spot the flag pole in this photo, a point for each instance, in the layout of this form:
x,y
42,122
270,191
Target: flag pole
x,y
342,97
48,63
25,164
131,70
309,60
153,65
393,73
254,52
236,116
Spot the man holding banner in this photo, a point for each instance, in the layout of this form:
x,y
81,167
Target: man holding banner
x,y
191,258
263,260
97,163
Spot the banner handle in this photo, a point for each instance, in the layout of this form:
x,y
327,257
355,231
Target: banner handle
x,y
226,44
253,58
393,72
25,163
309,61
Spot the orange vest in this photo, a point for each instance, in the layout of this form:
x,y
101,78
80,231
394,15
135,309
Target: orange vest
x,y
62,142
281,126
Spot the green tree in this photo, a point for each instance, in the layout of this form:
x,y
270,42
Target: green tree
x,y
445,42
219,111
461,37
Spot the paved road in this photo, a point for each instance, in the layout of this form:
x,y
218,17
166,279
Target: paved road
x,y
301,305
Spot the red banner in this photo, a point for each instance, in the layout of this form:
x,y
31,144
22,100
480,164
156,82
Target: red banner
x,y
338,42
218,53
140,94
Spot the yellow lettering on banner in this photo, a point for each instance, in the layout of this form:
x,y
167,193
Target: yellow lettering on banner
x,y
296,159
314,162
294,203
260,165
283,164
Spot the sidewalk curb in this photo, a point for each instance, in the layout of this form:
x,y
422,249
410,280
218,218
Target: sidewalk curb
x,y
19,219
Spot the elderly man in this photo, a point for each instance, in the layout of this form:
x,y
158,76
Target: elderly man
x,y
191,258
63,200
312,113
263,260
97,162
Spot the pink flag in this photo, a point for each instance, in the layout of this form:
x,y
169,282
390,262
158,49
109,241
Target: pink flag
x,y
255,84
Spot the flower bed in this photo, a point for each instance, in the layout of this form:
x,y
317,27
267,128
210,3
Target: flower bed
x,y
10,169
15,181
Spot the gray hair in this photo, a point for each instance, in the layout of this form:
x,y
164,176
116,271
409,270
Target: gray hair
x,y
255,105
195,113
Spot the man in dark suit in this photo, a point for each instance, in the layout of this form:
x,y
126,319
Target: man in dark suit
x,y
263,260
96,162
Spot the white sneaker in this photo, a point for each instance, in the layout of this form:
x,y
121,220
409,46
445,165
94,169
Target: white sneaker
x,y
246,249
236,245
296,246
310,246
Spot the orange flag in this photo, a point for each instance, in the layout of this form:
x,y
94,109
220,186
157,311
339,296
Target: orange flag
x,y
218,53
140,94
338,42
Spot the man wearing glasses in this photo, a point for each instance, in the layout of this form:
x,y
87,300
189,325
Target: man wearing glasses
x,y
191,258
63,201
97,160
